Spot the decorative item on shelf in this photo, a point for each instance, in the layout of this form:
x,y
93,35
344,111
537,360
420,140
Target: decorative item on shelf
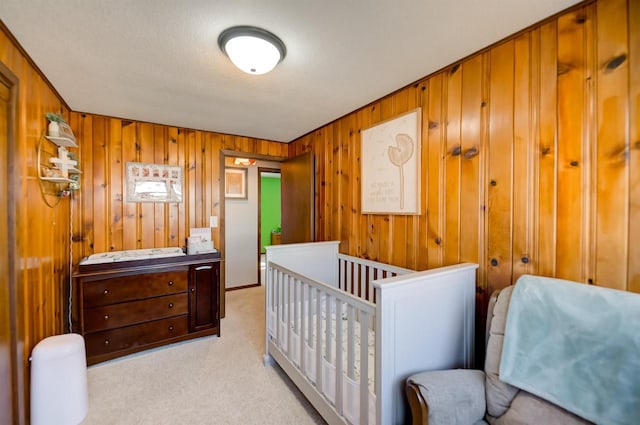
x,y
53,130
276,236
59,131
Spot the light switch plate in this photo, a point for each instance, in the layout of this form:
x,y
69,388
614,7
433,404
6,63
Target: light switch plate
x,y
213,221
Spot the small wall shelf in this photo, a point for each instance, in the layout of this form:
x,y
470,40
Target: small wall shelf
x,y
57,171
63,141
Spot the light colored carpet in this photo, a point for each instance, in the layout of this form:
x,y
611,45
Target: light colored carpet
x,y
210,380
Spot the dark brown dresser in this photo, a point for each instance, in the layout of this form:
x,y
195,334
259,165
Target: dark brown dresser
x,y
131,306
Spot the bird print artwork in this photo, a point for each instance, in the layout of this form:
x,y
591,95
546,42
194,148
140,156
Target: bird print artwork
x,y
399,155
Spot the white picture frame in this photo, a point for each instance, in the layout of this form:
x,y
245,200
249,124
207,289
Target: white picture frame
x,y
390,165
153,182
235,183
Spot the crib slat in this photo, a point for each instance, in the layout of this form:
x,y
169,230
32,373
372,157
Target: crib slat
x,y
318,340
327,329
303,317
289,287
339,351
364,368
351,342
278,304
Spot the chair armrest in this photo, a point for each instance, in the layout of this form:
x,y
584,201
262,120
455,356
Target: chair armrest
x,y
447,397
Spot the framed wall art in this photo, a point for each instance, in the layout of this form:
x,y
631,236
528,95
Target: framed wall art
x,y
235,183
153,182
390,158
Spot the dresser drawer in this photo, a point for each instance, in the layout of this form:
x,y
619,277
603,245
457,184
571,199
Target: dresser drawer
x,y
135,336
126,288
124,314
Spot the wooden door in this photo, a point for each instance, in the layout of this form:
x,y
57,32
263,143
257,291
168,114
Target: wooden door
x,y
8,370
298,199
204,306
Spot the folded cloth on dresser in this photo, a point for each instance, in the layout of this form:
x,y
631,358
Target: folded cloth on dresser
x,y
132,254
575,345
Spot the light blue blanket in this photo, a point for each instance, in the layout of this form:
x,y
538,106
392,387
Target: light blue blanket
x,y
575,345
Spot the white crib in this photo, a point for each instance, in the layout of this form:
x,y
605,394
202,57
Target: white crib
x,y
321,306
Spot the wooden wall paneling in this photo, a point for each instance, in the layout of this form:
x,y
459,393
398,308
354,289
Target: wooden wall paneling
x,y
76,200
339,188
434,144
413,221
130,210
422,234
359,221
116,186
522,157
470,147
146,237
399,238
570,98
349,228
101,204
345,223
160,228
384,222
370,116
198,182
589,142
207,178
190,172
217,198
545,207
452,165
173,219
325,139
85,137
183,207
612,194
500,166
634,153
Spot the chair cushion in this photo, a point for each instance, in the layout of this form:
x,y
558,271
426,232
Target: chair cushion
x,y
499,394
527,409
453,396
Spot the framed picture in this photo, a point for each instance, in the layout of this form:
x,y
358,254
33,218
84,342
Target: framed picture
x,y
153,182
235,183
390,158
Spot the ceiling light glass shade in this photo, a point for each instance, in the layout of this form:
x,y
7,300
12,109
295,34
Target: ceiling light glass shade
x,y
253,50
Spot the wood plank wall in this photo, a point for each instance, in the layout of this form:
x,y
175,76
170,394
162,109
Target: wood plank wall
x,y
42,232
548,179
103,221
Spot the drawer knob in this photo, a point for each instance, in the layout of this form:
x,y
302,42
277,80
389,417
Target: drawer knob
x,y
170,305
106,317
106,342
106,291
171,328
193,289
171,283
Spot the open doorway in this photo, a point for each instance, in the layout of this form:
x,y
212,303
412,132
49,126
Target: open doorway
x,y
269,214
242,216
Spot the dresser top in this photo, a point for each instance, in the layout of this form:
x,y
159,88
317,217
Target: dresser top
x,y
149,264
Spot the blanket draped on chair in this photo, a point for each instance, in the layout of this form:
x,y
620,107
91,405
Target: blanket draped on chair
x,y
575,345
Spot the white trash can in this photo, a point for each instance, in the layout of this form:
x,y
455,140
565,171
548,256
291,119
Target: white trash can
x,y
59,381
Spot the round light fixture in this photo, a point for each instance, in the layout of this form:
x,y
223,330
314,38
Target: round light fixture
x,y
252,49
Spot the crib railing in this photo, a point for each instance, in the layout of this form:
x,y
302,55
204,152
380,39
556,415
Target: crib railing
x,y
355,275
306,322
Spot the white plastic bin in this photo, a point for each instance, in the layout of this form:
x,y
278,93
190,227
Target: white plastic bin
x,y
59,381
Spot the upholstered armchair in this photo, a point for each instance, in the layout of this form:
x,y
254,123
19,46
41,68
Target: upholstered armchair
x,y
466,397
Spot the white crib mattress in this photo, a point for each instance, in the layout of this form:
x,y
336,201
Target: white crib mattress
x,y
310,361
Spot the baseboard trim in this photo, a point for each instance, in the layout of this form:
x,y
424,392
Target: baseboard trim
x,y
253,285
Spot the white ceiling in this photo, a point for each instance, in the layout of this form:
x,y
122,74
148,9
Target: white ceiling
x,y
158,60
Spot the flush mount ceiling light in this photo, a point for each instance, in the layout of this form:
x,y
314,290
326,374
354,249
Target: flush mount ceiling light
x,y
252,49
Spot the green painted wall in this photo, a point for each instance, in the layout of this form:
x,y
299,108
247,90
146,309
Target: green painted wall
x,y
269,208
